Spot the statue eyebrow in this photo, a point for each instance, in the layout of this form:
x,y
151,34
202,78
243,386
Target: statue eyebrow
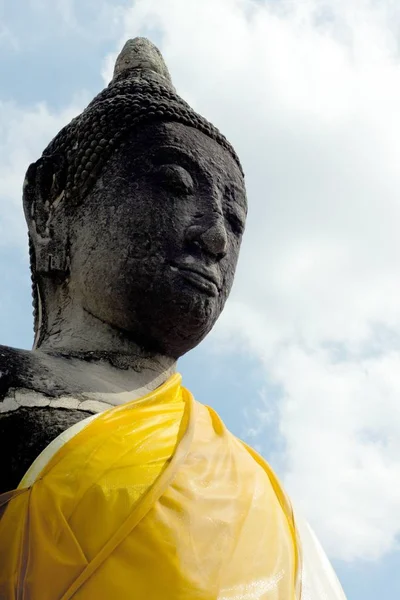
x,y
169,153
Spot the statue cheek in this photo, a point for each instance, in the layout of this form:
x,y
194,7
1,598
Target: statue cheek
x,y
142,244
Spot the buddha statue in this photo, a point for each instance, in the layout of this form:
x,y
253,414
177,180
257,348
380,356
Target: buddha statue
x,y
117,483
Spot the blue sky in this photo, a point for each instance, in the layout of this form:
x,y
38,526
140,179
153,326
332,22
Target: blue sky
x,y
304,364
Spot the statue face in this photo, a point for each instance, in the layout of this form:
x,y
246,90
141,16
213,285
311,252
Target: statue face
x,y
155,244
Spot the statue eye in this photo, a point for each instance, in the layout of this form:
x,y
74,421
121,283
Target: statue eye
x,y
235,220
175,179
234,213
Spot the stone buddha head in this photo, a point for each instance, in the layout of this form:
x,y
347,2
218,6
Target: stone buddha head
x,y
135,212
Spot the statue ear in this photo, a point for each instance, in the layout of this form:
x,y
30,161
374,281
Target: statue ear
x,y
43,193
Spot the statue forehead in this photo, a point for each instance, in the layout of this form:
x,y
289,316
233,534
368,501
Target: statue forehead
x,y
176,140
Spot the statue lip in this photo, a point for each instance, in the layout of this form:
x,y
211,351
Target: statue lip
x,y
205,279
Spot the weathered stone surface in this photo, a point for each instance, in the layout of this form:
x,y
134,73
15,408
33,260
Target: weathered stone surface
x,y
8,405
24,433
93,406
64,402
31,398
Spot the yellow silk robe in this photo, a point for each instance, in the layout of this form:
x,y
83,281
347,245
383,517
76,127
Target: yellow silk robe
x,y
154,499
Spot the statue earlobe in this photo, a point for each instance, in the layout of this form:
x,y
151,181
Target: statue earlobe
x,y
43,192
44,184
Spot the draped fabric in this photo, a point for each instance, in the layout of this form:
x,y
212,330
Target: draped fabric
x,y
154,499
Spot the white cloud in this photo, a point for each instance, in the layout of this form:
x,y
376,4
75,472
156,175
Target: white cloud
x,y
92,20
62,23
7,38
309,92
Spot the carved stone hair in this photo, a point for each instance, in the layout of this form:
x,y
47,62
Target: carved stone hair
x,y
140,92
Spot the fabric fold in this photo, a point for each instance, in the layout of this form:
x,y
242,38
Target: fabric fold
x,y
152,499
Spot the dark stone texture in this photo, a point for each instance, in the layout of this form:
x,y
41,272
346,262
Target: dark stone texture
x,y
17,370
159,263
24,433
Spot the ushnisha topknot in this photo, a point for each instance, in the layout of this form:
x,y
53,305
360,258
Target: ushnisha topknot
x,y
140,92
142,56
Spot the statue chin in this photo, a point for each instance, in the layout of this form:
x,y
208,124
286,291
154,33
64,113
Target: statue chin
x,y
187,325
172,321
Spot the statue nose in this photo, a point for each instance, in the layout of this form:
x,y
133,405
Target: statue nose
x,y
211,237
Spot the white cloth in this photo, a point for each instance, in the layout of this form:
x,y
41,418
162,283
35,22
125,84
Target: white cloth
x,y
319,581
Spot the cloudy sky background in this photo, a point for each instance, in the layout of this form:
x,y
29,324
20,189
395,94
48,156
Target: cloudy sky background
x,y
305,362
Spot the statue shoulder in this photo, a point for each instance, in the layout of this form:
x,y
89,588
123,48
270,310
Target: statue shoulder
x,y
14,369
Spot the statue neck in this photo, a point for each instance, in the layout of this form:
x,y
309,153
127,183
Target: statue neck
x,y
96,360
